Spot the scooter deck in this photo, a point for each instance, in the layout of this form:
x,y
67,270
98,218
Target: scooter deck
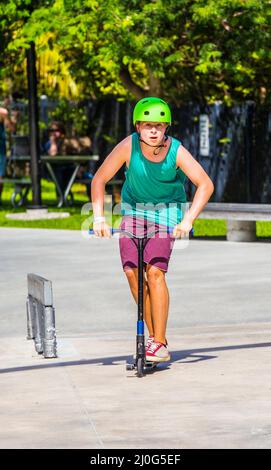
x,y
151,365
147,365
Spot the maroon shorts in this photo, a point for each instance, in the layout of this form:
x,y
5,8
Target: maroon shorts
x,y
157,250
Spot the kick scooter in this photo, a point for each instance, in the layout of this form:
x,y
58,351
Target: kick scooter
x,y
141,365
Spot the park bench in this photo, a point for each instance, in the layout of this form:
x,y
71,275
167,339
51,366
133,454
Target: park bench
x,y
20,191
241,218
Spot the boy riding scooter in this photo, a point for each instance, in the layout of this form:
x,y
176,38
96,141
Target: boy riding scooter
x,y
156,167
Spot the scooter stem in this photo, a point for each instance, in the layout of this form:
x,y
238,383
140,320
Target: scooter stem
x,y
140,310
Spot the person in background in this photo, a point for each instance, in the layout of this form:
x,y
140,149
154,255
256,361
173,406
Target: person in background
x,y
8,122
57,145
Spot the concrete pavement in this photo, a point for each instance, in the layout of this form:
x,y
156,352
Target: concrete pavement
x,y
215,391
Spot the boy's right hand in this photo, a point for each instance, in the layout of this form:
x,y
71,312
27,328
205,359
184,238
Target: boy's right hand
x,y
101,229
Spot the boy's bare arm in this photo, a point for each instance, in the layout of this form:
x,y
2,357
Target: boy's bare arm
x,y
107,170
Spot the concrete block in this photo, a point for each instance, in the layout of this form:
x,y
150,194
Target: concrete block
x,y
241,231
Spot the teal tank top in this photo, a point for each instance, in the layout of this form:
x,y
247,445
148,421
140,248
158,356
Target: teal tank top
x,y
154,190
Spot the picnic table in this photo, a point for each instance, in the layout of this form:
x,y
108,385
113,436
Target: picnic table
x,y
22,185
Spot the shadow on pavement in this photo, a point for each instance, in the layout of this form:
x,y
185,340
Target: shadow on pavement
x,y
182,356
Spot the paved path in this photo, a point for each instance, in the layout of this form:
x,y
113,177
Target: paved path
x,y
214,393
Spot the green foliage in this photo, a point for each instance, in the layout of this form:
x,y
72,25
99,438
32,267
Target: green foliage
x,y
202,50
72,116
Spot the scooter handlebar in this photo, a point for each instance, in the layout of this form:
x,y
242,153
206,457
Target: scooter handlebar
x,y
119,230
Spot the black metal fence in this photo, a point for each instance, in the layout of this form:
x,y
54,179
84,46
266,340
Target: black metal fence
x,y
239,160
239,154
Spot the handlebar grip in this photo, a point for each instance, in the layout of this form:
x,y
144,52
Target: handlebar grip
x,y
113,230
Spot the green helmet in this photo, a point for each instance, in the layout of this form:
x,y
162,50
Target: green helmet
x,y
152,110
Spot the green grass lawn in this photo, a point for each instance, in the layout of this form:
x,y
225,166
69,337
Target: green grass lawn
x,y
49,199
202,228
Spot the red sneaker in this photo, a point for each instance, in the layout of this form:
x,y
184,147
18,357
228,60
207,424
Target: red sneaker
x,y
150,340
157,352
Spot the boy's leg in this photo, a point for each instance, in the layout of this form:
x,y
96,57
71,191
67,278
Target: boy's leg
x,y
159,299
131,275
147,309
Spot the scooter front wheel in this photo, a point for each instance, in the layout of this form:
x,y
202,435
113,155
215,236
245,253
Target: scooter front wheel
x,y
140,367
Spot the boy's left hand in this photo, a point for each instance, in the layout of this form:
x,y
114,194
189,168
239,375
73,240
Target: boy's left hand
x,y
182,229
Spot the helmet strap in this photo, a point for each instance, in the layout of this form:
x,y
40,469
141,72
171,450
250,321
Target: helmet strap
x,y
156,147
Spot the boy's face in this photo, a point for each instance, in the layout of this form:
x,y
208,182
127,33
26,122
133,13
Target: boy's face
x,y
151,132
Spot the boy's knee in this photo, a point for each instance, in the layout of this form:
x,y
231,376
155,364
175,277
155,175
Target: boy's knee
x,y
131,275
154,274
